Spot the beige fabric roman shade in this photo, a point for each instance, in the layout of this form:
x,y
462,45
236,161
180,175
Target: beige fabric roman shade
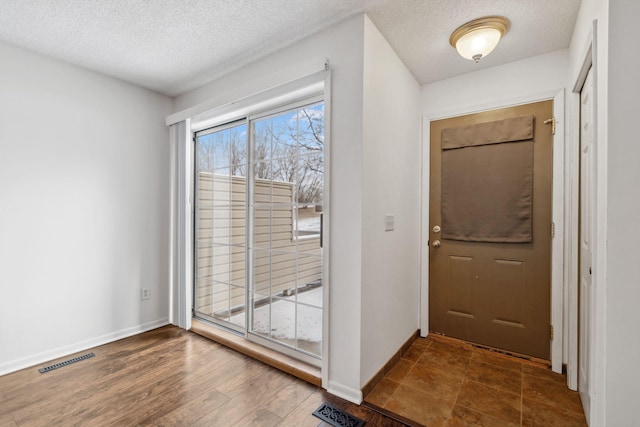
x,y
487,181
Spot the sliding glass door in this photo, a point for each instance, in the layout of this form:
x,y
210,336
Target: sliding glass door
x,y
259,227
221,217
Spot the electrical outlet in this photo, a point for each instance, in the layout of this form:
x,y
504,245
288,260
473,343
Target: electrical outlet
x,y
145,294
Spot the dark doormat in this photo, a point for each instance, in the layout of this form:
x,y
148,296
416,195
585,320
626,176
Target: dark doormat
x,y
336,417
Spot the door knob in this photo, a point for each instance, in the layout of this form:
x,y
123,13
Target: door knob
x,y
436,243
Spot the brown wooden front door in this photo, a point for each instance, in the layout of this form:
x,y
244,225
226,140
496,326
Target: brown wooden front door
x,y
492,293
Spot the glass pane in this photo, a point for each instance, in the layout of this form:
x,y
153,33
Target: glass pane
x,y
221,225
219,232
221,191
209,265
205,190
262,273
283,321
213,299
284,130
221,301
290,180
237,304
263,181
238,261
238,150
281,227
238,224
205,153
221,154
262,227
262,141
309,279
203,295
283,273
283,193
238,190
311,129
308,222
310,179
261,315
309,328
220,271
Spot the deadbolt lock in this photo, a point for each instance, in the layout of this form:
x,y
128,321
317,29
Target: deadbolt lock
x,y
436,229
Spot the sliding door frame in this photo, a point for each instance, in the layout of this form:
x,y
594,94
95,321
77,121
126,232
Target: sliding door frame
x,y
247,119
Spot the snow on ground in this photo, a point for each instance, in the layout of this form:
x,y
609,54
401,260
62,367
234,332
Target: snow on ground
x,y
282,314
309,224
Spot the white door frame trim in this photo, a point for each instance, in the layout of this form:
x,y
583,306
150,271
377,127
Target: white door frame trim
x,y
572,208
596,415
558,205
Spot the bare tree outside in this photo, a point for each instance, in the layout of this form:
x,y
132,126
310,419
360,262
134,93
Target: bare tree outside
x,y
288,148
224,152
297,146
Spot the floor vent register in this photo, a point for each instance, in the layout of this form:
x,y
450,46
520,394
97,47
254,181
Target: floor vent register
x,y
66,363
337,417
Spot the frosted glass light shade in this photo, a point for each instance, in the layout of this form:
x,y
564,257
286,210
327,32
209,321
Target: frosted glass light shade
x,y
476,39
480,42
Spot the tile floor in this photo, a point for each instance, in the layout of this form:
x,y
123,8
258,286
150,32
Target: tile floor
x,y
439,382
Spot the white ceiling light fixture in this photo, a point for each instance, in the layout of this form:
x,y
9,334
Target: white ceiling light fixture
x,y
476,39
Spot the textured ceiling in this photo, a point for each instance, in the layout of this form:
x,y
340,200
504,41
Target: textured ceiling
x,y
419,31
172,46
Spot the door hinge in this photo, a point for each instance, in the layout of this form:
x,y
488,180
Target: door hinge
x,y
553,229
551,332
551,121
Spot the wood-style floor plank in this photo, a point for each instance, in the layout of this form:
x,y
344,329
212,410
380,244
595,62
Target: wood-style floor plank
x,y
120,391
6,420
260,417
300,415
285,400
165,377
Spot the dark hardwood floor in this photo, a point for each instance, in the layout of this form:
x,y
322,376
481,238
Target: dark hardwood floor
x,y
165,377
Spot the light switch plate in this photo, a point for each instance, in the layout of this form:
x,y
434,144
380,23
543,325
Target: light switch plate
x,y
389,222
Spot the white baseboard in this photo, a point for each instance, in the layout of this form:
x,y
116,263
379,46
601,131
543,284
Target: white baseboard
x,y
26,362
347,393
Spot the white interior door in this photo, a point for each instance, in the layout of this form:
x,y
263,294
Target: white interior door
x,y
586,235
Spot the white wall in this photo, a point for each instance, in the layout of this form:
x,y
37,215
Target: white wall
x,y
391,185
505,83
623,232
83,208
343,46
